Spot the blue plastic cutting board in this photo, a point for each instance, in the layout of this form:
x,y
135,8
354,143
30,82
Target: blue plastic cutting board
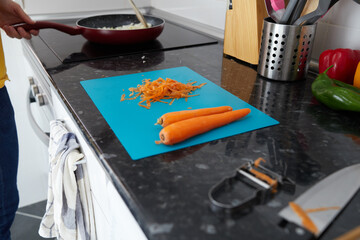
x,y
134,125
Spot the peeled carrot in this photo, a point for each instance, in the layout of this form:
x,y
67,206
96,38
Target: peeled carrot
x,y
171,117
185,129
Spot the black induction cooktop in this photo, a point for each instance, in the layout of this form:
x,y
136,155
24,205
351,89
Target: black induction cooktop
x,y
76,48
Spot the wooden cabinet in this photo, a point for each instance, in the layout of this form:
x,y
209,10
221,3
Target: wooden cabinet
x,y
243,29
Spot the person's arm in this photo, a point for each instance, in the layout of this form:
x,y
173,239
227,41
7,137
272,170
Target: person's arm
x,y
12,13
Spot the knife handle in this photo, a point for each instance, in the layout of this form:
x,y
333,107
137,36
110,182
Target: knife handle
x,y
295,232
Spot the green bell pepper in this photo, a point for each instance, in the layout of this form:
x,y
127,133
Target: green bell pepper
x,y
336,94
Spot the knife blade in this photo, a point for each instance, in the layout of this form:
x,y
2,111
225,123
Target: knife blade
x,y
327,198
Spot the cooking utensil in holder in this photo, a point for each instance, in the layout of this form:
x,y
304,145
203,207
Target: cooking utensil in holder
x,y
285,51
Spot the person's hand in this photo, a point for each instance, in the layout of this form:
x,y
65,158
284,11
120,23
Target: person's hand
x,y
12,13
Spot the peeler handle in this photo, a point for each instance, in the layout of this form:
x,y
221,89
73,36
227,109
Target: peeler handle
x,y
227,208
262,182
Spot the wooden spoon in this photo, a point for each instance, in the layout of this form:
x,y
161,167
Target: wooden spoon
x,y
310,6
138,14
312,17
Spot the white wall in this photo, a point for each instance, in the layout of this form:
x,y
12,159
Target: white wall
x,y
211,12
38,7
339,28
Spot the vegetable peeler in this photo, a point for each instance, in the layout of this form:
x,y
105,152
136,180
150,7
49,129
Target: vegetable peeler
x,y
260,184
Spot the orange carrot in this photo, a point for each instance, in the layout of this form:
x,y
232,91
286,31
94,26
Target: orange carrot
x,y
182,130
171,117
272,182
305,219
351,235
258,161
311,210
159,89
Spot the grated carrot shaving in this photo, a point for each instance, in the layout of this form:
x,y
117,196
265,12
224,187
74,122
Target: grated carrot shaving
x,y
160,89
311,210
172,101
258,161
273,183
306,220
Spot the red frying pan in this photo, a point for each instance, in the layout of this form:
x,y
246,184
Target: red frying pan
x,y
91,28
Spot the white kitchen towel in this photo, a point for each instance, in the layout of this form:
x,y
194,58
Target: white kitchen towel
x,y
69,211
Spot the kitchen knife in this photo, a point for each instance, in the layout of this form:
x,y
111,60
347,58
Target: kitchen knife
x,y
326,198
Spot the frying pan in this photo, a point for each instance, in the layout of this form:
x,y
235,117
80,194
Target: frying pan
x,y
90,28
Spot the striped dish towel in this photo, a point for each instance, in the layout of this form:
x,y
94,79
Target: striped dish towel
x,y
69,211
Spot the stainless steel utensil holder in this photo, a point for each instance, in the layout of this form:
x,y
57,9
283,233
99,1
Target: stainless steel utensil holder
x,y
285,51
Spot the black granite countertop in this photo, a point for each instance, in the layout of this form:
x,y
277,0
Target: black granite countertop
x,y
168,193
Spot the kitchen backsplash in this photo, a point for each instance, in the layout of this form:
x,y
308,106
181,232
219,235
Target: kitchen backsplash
x,y
46,7
210,12
339,28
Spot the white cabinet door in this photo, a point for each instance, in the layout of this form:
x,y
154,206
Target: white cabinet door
x,y
103,229
123,223
113,219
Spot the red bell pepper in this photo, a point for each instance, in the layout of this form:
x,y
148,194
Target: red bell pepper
x,y
344,60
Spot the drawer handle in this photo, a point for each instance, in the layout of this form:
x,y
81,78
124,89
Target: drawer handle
x,y
43,136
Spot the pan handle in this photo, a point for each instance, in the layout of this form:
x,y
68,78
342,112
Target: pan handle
x,y
46,24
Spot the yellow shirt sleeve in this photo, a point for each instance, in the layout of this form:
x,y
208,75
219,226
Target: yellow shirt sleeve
x,y
3,75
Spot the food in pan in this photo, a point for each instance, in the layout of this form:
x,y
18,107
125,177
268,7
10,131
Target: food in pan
x,y
127,27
